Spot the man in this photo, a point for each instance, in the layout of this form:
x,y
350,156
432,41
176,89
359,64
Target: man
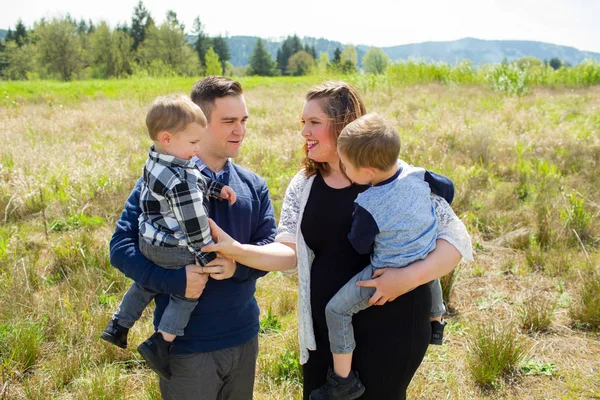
x,y
216,356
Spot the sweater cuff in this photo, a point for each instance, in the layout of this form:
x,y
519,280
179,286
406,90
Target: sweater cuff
x,y
177,282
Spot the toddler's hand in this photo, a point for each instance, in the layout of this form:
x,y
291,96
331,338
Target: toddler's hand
x,y
229,194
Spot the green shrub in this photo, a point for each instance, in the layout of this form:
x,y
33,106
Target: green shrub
x,y
494,353
536,313
20,344
585,308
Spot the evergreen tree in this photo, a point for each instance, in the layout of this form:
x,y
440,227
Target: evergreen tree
x,y
290,46
555,63
337,56
20,34
139,22
9,36
261,62
173,22
220,46
213,65
335,65
82,27
202,42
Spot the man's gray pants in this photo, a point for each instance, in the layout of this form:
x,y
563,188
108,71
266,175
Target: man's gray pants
x,y
226,374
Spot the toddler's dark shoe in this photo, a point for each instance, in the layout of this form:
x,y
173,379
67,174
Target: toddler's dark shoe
x,y
115,333
437,332
156,351
338,388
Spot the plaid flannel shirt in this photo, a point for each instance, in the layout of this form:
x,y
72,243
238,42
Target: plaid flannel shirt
x,y
173,200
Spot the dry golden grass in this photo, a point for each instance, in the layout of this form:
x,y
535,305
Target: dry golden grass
x,y
527,172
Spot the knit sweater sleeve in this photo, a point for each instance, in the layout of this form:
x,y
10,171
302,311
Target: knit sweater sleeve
x,y
290,210
451,228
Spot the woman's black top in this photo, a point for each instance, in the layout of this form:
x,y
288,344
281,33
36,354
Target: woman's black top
x,y
391,340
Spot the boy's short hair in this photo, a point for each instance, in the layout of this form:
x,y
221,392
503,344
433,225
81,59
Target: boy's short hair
x,y
173,114
208,89
370,141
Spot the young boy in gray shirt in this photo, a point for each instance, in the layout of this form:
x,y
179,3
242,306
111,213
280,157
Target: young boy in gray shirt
x,y
394,220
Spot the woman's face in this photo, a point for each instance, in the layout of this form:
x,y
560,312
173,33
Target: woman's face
x,y
317,133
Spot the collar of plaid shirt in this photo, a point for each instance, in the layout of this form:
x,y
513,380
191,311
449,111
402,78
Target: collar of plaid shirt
x,y
210,173
167,160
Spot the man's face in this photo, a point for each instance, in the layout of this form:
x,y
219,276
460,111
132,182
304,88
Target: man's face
x,y
226,129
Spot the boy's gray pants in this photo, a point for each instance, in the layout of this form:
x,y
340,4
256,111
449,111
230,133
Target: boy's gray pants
x,y
351,299
178,311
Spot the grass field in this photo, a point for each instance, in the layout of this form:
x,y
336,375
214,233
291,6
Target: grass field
x,y
525,315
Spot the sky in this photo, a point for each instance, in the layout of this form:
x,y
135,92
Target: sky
x,y
378,23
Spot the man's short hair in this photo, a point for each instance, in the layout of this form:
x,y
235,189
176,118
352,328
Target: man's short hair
x,y
207,90
370,141
173,113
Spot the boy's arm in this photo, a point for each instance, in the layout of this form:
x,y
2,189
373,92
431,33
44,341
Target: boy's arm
x,y
265,233
186,202
440,185
126,256
363,231
214,187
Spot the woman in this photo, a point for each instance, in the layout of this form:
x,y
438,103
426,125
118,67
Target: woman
x,y
315,220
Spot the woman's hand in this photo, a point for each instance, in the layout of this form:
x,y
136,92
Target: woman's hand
x,y
224,244
389,283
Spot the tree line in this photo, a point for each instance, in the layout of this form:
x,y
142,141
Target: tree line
x,y
66,49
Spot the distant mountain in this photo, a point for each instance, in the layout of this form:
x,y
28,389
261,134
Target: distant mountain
x,y
3,33
478,51
486,51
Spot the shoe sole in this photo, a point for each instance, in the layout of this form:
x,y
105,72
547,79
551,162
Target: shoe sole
x,y
111,339
147,356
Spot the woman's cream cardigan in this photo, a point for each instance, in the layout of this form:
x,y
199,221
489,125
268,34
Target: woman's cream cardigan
x,y
450,228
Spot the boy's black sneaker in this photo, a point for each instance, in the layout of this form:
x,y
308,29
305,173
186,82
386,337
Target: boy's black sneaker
x,y
338,388
115,333
155,350
437,332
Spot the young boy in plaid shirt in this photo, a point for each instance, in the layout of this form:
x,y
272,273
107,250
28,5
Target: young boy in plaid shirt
x,y
173,224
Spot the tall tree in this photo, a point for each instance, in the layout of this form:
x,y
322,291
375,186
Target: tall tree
x,y
20,60
139,22
59,47
375,61
337,55
555,63
261,62
20,34
165,50
110,52
290,46
173,22
220,46
213,65
202,42
300,63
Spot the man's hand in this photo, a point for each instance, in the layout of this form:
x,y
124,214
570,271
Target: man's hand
x,y
195,281
228,194
226,268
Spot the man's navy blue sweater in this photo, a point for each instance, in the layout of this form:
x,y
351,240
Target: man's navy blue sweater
x,y
227,312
